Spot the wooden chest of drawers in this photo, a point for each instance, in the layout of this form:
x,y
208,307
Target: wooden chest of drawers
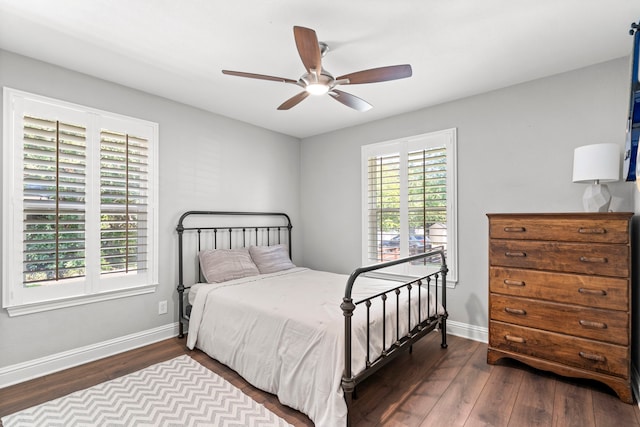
x,y
560,294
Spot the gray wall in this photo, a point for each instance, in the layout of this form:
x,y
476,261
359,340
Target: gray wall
x,y
515,154
206,162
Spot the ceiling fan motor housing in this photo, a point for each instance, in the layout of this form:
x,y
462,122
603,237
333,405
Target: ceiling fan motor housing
x,y
317,84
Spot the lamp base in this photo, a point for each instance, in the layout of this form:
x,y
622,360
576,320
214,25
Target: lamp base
x,y
596,198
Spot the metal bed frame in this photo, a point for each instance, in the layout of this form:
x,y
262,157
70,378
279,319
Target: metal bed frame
x,y
279,226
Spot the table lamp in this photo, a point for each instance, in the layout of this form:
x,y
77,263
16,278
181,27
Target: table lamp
x,y
594,165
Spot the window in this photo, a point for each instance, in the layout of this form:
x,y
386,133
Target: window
x,y
79,203
409,200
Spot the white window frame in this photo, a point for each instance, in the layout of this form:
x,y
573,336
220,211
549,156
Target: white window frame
x,y
402,146
94,287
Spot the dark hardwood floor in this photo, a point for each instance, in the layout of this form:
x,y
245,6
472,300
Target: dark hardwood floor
x,y
431,387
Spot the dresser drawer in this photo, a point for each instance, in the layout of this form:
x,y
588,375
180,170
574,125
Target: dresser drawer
x,y
578,352
589,291
598,259
602,325
570,230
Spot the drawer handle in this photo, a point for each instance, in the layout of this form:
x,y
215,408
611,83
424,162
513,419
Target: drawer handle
x,y
597,292
583,230
513,282
591,356
515,254
515,229
599,260
512,338
592,324
517,311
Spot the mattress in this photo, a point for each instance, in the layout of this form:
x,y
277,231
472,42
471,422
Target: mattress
x,y
284,333
193,291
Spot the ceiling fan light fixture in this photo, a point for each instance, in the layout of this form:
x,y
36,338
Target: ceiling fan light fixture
x,y
317,88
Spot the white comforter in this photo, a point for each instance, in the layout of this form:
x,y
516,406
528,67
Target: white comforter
x,y
284,333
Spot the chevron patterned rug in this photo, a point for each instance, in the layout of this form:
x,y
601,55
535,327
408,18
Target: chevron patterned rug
x,y
177,393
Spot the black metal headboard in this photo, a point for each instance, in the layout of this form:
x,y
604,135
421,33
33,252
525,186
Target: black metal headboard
x,y
223,229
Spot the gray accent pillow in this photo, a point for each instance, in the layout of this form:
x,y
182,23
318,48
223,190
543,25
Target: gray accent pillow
x,y
220,265
270,259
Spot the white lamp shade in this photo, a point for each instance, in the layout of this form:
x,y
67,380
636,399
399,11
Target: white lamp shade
x,y
596,163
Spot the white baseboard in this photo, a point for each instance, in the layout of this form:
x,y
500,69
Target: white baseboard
x,y
31,369
464,330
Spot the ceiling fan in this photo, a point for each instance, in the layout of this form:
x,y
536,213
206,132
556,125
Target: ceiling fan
x,y
318,81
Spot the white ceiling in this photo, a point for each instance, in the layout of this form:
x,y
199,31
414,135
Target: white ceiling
x,y
177,49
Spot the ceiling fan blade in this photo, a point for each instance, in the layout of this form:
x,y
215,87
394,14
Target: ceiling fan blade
x,y
293,101
308,48
374,75
258,76
350,100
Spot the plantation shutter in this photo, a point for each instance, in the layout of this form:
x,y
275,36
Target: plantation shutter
x,y
406,188
80,204
383,203
409,202
124,210
54,169
427,190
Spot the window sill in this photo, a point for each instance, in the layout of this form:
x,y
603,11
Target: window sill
x,y
80,300
451,284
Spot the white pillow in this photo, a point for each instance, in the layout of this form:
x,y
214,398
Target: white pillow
x,y
220,265
270,259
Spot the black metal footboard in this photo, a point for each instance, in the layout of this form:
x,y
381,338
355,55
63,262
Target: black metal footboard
x,y
426,322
